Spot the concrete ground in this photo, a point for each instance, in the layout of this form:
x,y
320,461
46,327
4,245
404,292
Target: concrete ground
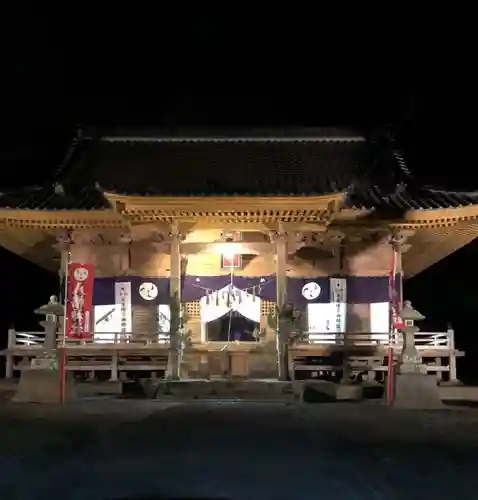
x,y
106,448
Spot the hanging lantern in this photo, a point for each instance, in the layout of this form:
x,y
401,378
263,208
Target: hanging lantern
x,y
231,261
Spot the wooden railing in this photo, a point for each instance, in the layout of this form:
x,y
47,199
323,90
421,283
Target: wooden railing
x,y
37,339
28,344
438,344
423,340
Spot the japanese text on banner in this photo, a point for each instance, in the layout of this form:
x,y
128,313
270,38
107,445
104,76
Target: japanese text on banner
x,y
338,297
79,301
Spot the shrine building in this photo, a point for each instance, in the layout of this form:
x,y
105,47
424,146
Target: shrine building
x,y
234,224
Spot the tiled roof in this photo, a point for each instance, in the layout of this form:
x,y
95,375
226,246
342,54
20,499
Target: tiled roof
x,y
405,198
223,167
54,198
274,162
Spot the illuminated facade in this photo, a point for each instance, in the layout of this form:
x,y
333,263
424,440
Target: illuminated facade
x,y
233,225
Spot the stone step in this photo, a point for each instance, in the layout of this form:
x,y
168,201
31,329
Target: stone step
x,y
247,390
220,389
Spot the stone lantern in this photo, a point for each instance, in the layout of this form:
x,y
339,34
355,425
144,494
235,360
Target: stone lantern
x,y
41,382
414,388
52,312
410,359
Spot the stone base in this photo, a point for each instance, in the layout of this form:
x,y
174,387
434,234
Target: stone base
x,y
417,391
183,390
42,386
451,383
108,388
317,391
372,390
322,391
348,392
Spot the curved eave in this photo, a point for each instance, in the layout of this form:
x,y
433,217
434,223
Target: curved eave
x,y
33,245
431,245
11,218
229,203
413,219
203,207
445,216
437,234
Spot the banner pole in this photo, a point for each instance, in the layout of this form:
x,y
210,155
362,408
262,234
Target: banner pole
x,y
390,373
63,360
390,366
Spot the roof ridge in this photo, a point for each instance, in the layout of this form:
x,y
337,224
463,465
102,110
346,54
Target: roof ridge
x,y
225,134
402,164
433,189
65,163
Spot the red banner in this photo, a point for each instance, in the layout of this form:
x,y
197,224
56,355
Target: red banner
x,y
79,301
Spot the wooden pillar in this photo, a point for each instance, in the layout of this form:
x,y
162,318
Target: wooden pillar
x,y
12,340
125,254
175,297
401,241
399,249
63,245
343,275
371,375
114,366
452,362
282,343
438,373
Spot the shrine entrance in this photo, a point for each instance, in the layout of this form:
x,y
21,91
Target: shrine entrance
x,y
232,327
229,314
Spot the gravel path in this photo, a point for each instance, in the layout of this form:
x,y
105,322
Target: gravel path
x,y
108,449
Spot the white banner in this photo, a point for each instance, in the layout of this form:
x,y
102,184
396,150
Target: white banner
x,y
164,318
321,317
123,303
338,297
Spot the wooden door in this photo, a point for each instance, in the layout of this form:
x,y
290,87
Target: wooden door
x,y
239,362
217,364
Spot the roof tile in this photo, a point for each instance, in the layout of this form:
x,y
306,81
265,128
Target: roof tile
x,y
227,168
373,174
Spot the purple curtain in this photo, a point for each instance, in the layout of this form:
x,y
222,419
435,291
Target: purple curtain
x,y
360,289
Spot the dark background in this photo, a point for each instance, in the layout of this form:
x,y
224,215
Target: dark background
x,y
61,72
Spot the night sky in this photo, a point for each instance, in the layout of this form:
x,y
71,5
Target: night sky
x,y
52,87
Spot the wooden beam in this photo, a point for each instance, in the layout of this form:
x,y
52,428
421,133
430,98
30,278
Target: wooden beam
x,y
210,225
304,227
228,248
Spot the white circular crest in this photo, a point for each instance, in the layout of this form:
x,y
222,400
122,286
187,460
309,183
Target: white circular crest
x,y
80,274
311,290
148,290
